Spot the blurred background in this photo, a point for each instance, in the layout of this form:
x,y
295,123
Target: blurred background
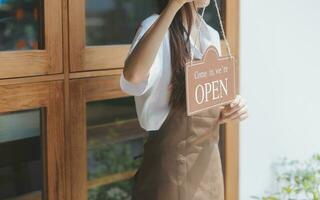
x,y
279,77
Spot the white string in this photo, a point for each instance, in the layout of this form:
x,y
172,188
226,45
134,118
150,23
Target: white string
x,y
198,35
222,29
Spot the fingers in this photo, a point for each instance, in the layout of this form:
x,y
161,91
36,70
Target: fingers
x,y
241,112
237,104
238,118
235,101
238,111
244,116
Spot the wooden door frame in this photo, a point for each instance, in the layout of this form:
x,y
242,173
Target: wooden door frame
x,y
48,95
83,91
231,128
89,58
22,63
83,58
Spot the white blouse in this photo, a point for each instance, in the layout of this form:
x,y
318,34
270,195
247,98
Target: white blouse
x,y
152,95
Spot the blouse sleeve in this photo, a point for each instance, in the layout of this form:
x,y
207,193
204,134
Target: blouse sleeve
x,y
155,69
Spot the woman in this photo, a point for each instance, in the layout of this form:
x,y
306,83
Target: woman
x,y
175,165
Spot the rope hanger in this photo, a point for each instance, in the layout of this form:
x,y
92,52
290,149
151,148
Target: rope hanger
x,y
208,135
222,29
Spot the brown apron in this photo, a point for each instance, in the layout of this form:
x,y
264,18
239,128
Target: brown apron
x,y
176,166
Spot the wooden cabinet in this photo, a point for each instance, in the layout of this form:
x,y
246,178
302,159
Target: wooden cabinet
x,y
31,38
32,141
61,108
105,138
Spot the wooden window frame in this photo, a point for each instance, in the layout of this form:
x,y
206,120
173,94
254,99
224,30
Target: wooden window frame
x,y
82,91
49,97
85,58
23,63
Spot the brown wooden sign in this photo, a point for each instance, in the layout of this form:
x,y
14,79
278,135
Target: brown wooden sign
x,y
209,82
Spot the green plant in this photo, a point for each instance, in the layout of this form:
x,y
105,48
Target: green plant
x,y
296,180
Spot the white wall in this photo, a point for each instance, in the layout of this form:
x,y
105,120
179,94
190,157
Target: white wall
x,y
280,79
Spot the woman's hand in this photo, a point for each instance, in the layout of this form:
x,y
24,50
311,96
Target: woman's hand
x,y
180,3
234,111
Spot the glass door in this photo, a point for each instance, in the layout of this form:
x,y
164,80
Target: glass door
x,y
114,144
101,31
106,141
21,164
30,38
32,164
104,134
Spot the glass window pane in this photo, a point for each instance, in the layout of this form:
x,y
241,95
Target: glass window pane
x,y
211,15
115,22
115,139
20,153
21,25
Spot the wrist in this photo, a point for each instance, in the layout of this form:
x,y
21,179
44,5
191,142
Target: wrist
x,y
174,5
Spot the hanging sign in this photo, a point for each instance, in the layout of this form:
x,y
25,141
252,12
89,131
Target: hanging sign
x,y
210,81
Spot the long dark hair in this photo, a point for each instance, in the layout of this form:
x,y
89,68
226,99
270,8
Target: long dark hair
x,y
180,52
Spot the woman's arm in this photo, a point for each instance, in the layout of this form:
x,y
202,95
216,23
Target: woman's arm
x,y
138,63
